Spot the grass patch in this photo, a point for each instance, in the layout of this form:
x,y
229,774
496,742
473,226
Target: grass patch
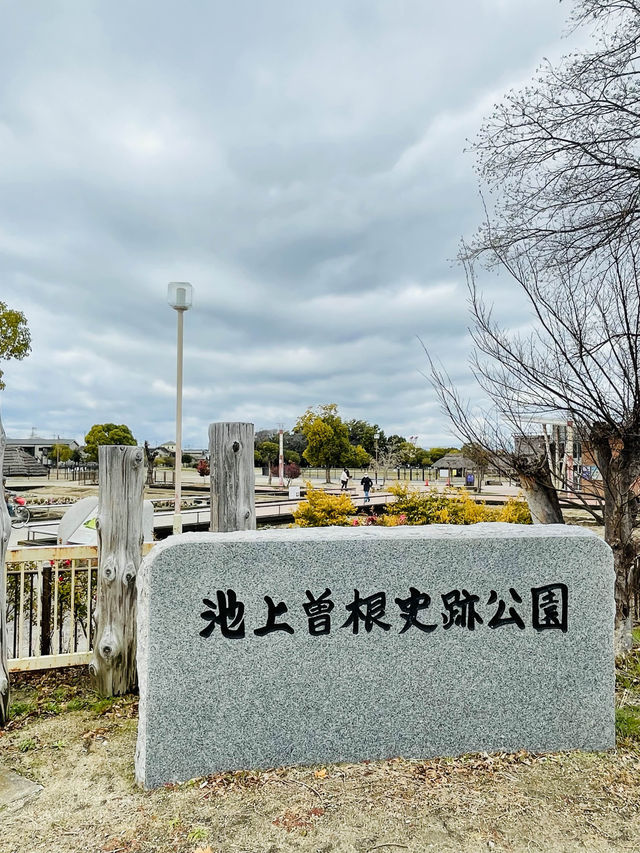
x,y
22,709
56,692
27,744
628,725
628,672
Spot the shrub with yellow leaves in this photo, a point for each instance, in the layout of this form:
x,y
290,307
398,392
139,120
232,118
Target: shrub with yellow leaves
x,y
453,506
323,510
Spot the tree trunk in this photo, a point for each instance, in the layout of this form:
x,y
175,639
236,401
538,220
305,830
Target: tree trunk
x,y
119,527
233,488
5,529
619,468
543,501
327,475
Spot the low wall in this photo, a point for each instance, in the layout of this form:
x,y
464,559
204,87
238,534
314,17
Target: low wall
x,y
264,648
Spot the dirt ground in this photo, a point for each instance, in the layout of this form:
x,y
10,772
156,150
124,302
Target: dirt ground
x,y
81,749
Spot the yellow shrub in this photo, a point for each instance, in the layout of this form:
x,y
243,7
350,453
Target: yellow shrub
x,y
515,511
323,510
453,506
388,520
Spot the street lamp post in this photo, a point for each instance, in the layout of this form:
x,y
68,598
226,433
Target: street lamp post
x,y
180,298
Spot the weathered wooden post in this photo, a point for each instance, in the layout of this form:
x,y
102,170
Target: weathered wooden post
x,y
233,498
5,529
45,607
119,526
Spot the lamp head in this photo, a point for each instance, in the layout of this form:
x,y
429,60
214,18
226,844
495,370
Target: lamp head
x,y
180,295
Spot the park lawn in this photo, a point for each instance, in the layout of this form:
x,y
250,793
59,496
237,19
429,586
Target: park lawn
x,y
81,748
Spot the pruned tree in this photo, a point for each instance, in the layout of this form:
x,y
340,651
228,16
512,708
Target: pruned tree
x,y
582,361
562,153
562,156
150,456
500,439
386,459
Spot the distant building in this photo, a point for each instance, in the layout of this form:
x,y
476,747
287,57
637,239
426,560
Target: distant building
x,y
18,463
40,448
454,465
196,453
570,459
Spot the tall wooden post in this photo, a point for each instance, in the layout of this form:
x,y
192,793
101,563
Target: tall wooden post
x,y
119,526
45,608
233,497
5,529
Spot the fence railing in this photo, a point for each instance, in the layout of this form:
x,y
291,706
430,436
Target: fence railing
x,y
51,602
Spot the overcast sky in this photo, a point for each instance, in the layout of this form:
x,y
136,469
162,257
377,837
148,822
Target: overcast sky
x,y
300,162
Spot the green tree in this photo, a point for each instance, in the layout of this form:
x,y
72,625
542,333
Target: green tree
x,y
422,457
358,457
106,434
15,338
269,452
364,433
327,437
438,452
394,442
60,453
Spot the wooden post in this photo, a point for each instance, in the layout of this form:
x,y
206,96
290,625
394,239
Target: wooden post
x,y
233,489
119,526
5,529
45,607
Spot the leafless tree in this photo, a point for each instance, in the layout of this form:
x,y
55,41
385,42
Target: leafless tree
x,y
150,455
504,443
580,360
562,153
562,157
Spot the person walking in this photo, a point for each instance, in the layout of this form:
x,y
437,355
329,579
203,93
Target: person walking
x,y
366,482
344,479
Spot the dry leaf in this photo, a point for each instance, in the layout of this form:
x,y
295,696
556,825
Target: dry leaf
x,y
320,774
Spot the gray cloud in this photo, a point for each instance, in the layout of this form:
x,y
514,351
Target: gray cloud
x,y
301,164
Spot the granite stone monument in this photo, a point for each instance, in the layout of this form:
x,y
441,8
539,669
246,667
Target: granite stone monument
x,y
267,648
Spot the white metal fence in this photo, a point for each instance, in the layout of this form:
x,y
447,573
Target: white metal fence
x,y
51,601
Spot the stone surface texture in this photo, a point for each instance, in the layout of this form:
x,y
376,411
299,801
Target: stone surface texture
x,y
15,790
209,704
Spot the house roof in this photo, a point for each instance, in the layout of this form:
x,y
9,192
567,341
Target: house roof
x,y
19,463
455,460
37,441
